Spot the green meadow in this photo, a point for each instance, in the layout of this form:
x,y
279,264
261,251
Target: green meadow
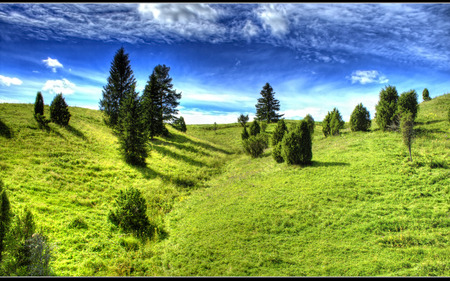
x,y
361,209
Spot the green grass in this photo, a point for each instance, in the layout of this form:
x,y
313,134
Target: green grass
x,y
361,208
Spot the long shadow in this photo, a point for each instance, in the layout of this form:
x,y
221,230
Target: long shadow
x,y
428,122
149,173
165,151
5,131
181,147
425,131
75,132
328,164
183,139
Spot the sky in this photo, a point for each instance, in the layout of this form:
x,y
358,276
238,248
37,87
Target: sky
x,y
316,56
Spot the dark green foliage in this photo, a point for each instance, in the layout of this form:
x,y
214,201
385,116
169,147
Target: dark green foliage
x,y
59,111
179,124
296,146
407,102
255,145
243,119
360,119
159,101
407,125
267,106
39,104
255,128
215,127
130,213
5,217
244,134
120,81
311,124
386,108
279,132
332,123
426,95
131,130
263,126
276,153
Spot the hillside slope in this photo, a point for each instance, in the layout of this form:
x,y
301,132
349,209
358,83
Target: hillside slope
x,y
361,209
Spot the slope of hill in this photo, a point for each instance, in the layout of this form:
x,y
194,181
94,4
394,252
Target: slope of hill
x,y
361,209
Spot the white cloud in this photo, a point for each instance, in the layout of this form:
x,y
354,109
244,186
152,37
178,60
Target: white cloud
x,y
250,29
8,81
177,13
52,63
368,76
63,86
275,17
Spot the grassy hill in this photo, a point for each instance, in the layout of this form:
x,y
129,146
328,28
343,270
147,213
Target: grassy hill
x,y
361,208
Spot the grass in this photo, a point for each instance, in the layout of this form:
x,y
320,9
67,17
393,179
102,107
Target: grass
x,y
361,209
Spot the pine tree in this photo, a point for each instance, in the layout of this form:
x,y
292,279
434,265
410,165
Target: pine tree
x,y
310,120
426,95
255,128
360,119
243,119
131,129
179,124
279,132
407,102
296,146
120,81
326,129
59,111
244,134
39,104
267,106
332,123
386,108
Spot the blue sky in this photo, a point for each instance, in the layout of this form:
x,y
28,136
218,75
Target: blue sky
x,y
316,56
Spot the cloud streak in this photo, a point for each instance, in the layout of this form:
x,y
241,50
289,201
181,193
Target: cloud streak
x,y
8,81
63,86
368,76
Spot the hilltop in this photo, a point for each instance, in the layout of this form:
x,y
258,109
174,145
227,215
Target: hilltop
x,y
361,208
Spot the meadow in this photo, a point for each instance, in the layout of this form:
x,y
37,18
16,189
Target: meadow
x,y
361,209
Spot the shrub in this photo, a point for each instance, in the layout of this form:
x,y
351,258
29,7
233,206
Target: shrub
x,y
255,145
39,104
386,108
255,128
297,146
276,153
426,95
243,119
310,120
244,134
332,123
130,213
5,217
407,124
279,132
407,102
263,126
179,124
38,256
360,119
59,111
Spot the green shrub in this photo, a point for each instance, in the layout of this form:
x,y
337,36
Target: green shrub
x,y
360,119
5,217
407,102
332,123
276,153
279,132
296,146
386,108
426,95
263,126
244,134
130,213
39,104
311,124
255,128
255,145
59,111
179,124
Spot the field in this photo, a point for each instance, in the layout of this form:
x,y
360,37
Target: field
x,y
361,209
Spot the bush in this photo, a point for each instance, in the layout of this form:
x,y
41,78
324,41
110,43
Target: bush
x,y
276,153
39,104
386,108
310,120
5,217
263,126
255,145
130,213
279,132
426,95
179,124
255,128
296,146
407,102
244,134
360,119
59,111
332,123
243,119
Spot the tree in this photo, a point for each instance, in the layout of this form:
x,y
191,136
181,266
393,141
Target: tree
x,y
131,130
407,125
179,124
332,123
255,128
279,132
59,111
160,101
243,119
386,108
244,134
326,125
426,95
267,106
296,146
5,217
255,145
39,104
360,119
407,102
130,213
120,81
310,120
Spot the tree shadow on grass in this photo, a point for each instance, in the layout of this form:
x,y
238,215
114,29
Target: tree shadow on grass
x,y
181,147
183,139
5,131
174,155
328,164
75,132
149,173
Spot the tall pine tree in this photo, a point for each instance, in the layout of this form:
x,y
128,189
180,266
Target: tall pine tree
x,y
267,106
120,81
386,108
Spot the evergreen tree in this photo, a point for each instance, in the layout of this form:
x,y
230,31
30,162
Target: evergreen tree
x,y
360,119
243,119
426,95
255,128
179,124
407,102
39,104
407,125
332,123
151,101
59,111
310,120
267,105
386,108
244,134
5,217
279,132
326,129
131,129
296,146
120,81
